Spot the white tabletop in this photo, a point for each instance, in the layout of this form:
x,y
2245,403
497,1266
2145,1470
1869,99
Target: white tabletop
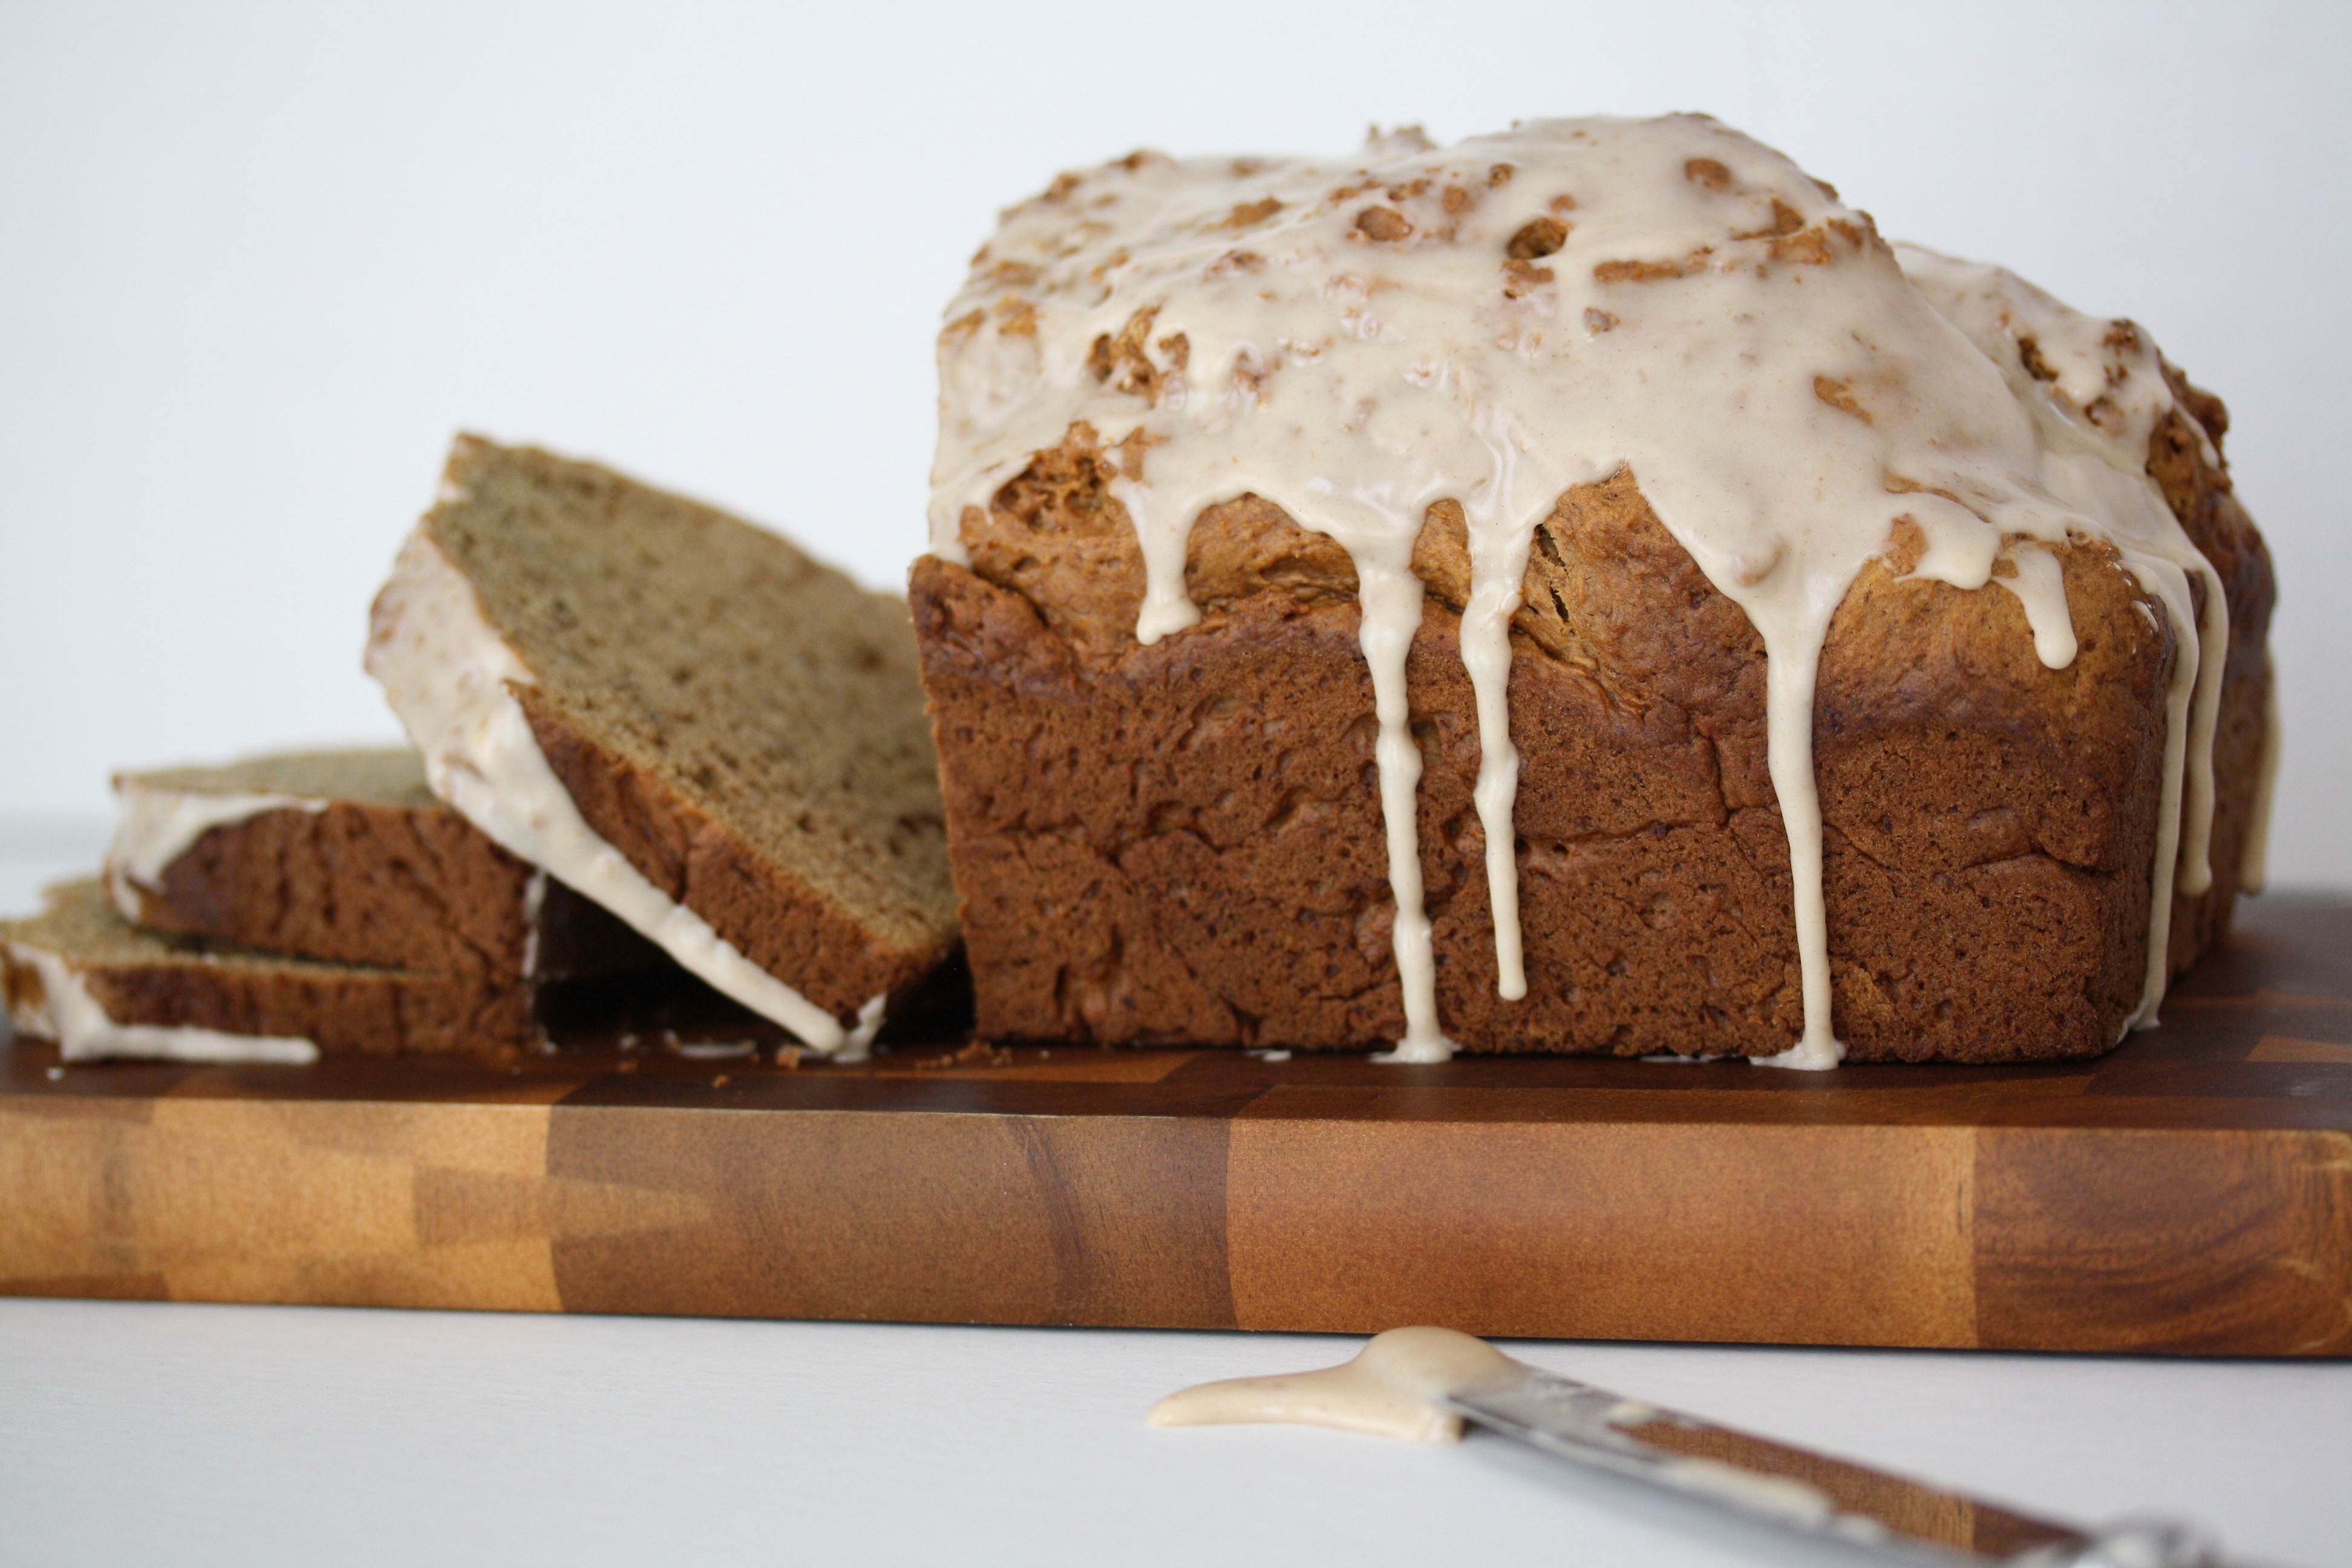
x,y
135,1432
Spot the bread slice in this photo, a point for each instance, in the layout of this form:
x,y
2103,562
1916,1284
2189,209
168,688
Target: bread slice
x,y
684,718
345,855
82,976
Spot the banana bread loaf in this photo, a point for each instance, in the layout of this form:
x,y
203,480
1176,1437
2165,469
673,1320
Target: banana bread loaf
x,y
1716,631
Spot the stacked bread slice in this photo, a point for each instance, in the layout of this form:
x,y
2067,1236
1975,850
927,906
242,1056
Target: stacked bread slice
x,y
295,906
347,856
630,711
684,717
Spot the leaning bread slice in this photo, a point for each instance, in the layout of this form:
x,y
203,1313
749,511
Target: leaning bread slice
x,y
346,856
83,977
684,718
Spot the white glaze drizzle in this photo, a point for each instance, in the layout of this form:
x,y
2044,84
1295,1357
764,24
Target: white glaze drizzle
x,y
1498,569
67,1013
1392,600
1357,343
2097,401
448,675
534,905
159,823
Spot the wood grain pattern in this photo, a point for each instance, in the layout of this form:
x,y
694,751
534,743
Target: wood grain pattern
x,y
1593,1230
2190,1193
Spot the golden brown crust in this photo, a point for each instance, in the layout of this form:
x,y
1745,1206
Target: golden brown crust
x,y
1057,535
1182,842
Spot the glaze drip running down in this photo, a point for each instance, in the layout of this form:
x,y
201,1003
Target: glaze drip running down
x,y
1495,324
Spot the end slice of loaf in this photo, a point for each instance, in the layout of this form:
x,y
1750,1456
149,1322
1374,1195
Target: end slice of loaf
x,y
346,856
83,977
684,718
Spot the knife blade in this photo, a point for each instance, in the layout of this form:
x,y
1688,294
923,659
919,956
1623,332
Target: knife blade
x,y
1899,1519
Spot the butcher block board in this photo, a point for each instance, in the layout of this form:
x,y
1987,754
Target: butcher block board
x,y
2189,1193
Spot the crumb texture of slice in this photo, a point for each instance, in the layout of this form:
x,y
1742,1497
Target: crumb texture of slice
x,y
348,857
744,725
370,776
82,976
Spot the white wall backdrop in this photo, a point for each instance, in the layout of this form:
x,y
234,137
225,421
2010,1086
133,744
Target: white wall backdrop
x,y
256,261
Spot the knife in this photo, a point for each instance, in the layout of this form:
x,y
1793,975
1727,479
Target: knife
x,y
1889,1516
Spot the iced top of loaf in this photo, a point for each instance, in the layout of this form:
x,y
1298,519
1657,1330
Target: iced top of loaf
x,y
1494,324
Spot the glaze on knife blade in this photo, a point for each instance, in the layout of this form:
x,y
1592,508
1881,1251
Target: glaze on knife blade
x,y
1422,1383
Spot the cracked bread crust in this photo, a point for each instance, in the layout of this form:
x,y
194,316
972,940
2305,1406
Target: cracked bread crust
x,y
1182,842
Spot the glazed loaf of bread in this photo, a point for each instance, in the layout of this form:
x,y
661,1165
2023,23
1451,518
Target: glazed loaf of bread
x,y
1716,632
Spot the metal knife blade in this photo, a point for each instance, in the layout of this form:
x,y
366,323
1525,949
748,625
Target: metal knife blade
x,y
1903,1520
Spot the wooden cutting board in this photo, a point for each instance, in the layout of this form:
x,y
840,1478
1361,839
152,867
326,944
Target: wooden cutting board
x,y
2191,1191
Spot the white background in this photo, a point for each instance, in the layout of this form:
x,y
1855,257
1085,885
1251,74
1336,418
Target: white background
x,y
257,261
